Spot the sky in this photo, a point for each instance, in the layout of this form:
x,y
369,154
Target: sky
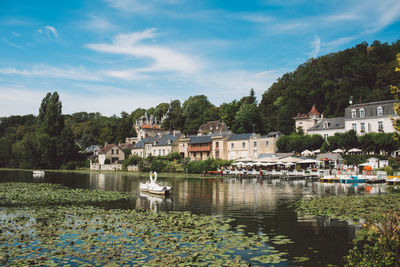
x,y
111,56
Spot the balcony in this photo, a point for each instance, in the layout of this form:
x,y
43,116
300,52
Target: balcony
x,y
199,148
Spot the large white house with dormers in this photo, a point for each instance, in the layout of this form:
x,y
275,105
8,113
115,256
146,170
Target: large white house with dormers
x,y
362,118
370,117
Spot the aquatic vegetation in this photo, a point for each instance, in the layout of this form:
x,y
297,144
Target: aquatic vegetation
x,y
351,207
61,229
53,194
378,242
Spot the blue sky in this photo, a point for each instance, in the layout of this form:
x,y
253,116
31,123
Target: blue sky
x,y
117,55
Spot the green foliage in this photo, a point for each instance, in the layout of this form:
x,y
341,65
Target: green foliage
x,y
158,165
197,110
298,143
364,72
378,243
203,166
50,119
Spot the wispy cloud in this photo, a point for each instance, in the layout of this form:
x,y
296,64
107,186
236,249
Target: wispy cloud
x,y
5,40
99,24
164,58
316,45
48,32
67,72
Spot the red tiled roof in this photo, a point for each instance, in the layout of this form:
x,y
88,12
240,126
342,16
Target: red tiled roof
x,y
150,126
300,116
107,148
313,111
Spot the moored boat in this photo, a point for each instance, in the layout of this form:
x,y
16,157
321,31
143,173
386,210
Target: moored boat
x,y
38,172
353,180
154,188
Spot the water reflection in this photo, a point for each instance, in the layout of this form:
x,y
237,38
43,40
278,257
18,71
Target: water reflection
x,y
263,206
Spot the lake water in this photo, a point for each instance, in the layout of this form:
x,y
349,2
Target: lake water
x,y
262,206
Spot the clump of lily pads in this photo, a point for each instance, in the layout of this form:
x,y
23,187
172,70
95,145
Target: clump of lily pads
x,y
351,207
63,229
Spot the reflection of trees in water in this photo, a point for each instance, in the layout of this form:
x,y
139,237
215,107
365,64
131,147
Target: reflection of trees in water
x,y
108,182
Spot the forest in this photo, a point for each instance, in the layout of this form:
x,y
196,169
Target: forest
x,y
364,72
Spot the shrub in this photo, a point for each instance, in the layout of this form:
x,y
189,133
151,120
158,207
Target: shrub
x,y
132,160
69,166
158,165
107,161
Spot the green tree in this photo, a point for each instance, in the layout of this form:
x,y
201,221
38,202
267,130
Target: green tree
x,y
196,111
50,120
246,118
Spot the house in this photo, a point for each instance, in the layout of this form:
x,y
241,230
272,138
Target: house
x,y
94,149
306,121
362,118
143,147
212,127
112,152
376,163
165,145
370,117
159,145
147,126
198,147
251,145
328,127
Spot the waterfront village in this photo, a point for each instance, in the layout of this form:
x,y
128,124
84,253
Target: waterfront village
x,y
254,154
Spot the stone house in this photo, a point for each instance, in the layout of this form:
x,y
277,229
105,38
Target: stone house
x,y
112,152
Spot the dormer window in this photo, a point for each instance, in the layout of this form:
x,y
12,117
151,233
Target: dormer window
x,y
379,111
362,113
353,113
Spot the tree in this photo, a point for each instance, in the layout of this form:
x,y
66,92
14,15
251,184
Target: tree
x,y
247,119
197,110
396,93
175,119
125,127
50,120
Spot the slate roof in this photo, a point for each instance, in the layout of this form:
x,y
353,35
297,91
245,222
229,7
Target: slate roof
x,y
126,146
163,140
333,123
273,134
148,140
243,136
195,139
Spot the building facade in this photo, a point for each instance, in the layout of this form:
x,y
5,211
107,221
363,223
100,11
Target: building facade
x,y
362,118
306,121
112,152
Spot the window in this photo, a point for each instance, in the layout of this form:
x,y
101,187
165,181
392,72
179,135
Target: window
x,y
379,111
380,126
362,113
362,126
354,126
232,145
353,113
116,150
325,136
217,144
243,144
369,127
112,151
266,143
255,144
159,152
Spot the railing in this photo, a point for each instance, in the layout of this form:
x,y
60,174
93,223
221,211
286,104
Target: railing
x,y
199,148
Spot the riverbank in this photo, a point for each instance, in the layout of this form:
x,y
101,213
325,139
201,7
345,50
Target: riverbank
x,y
377,243
127,173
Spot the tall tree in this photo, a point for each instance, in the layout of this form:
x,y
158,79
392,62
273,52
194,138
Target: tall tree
x,y
51,120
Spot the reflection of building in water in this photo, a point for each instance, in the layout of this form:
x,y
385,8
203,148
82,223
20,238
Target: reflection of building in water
x,y
152,202
108,182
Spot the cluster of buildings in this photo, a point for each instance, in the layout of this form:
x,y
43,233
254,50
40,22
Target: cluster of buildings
x,y
362,118
216,141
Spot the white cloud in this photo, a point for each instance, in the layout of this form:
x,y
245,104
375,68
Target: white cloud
x,y
164,58
67,72
99,24
316,45
51,31
19,101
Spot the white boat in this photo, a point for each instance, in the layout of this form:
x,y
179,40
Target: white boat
x,y
154,188
38,172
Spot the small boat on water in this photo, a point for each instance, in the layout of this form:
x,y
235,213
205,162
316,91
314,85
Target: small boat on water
x,y
353,180
38,172
154,188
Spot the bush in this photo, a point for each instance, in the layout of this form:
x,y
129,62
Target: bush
x,y
132,160
69,166
107,161
158,165
378,243
204,166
